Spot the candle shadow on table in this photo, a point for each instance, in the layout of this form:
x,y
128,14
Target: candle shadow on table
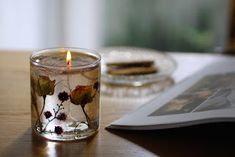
x,y
201,140
30,144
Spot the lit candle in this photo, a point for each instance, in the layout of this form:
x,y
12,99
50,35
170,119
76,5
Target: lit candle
x,y
65,93
68,59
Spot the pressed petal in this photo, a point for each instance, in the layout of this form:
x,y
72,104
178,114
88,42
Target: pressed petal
x,y
81,95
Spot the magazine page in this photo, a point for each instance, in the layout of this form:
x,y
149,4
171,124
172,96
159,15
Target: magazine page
x,y
207,96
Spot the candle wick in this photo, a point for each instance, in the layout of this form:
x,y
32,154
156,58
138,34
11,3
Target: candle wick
x,y
68,63
68,59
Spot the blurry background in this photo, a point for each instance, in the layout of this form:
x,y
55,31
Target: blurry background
x,y
179,25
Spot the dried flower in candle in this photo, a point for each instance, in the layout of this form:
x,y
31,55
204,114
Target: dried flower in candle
x,y
61,116
63,96
58,130
45,86
47,114
81,95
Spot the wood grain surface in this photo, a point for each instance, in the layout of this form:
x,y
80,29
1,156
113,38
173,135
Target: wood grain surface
x,y
17,139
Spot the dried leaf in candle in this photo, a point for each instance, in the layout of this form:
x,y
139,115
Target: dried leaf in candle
x,y
45,86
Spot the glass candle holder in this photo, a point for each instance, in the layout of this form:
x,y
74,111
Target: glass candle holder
x,y
65,91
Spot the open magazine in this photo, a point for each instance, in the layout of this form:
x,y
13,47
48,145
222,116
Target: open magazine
x,y
207,96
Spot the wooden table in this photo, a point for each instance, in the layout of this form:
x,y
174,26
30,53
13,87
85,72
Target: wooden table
x,y
16,138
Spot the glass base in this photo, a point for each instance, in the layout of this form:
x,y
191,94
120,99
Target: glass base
x,y
73,135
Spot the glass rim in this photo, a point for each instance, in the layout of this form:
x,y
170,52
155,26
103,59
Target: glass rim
x,y
89,52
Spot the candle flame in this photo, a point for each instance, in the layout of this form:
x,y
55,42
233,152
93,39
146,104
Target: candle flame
x,y
68,58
